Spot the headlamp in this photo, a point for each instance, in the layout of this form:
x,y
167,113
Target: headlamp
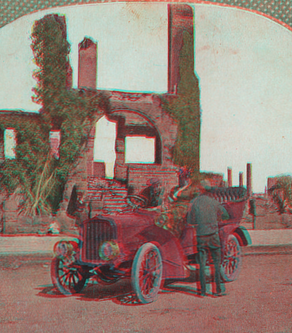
x,y
109,250
63,249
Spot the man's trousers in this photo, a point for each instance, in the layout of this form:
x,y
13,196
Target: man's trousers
x,y
206,244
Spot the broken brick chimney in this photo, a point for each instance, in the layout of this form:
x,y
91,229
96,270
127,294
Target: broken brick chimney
x,y
87,64
180,19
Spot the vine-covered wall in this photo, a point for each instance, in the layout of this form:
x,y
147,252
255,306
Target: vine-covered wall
x,y
185,109
40,177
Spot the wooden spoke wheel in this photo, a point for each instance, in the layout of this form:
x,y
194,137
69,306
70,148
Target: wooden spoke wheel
x,y
146,273
232,261
68,278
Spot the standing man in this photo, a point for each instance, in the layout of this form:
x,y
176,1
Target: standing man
x,y
153,194
204,213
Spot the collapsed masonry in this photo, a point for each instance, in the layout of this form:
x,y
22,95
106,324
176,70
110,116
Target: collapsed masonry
x,y
135,114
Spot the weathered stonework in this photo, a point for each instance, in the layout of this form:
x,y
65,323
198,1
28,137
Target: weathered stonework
x,y
180,19
135,114
87,69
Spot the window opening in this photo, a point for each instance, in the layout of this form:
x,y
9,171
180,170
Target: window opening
x,y
140,149
55,140
9,143
104,145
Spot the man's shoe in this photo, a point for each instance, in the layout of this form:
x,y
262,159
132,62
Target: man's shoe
x,y
222,293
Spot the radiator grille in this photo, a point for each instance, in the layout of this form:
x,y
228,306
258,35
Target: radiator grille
x,y
95,233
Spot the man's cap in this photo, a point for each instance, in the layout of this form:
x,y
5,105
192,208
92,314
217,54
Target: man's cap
x,y
205,184
153,181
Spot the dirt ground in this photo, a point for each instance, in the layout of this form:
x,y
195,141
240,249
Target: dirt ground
x,y
258,301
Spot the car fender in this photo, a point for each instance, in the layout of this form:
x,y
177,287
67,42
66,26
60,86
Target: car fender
x,y
244,236
170,249
239,231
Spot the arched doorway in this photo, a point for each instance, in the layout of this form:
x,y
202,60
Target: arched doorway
x,y
104,147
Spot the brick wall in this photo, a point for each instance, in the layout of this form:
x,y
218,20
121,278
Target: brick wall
x,y
2,157
99,169
139,174
180,18
149,107
271,182
87,67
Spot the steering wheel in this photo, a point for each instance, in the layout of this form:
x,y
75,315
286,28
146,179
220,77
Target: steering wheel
x,y
136,201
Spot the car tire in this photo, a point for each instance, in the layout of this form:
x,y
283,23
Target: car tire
x,y
146,275
68,278
231,261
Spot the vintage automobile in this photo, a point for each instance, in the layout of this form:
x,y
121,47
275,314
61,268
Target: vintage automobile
x,y
135,245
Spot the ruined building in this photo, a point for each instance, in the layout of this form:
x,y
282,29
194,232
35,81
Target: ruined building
x,y
134,115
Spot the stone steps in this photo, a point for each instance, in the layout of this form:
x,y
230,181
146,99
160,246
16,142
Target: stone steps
x,y
107,194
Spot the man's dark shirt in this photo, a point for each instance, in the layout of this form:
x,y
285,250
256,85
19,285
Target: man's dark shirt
x,y
153,195
204,213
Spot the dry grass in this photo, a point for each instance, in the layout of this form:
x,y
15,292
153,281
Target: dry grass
x,y
36,194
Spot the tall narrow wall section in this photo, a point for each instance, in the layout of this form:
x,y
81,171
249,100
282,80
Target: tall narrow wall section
x,y
87,64
180,19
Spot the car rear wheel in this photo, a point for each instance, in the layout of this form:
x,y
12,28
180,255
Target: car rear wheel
x,y
232,261
68,278
146,273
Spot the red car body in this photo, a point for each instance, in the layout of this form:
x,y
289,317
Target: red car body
x,y
109,246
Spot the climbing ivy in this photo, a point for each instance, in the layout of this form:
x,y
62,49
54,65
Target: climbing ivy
x,y
51,50
31,148
41,177
185,110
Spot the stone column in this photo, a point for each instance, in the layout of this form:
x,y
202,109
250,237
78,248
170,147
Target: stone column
x,y
121,168
90,153
229,177
241,179
249,179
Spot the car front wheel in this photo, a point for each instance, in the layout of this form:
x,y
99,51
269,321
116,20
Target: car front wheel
x,y
68,278
146,273
231,261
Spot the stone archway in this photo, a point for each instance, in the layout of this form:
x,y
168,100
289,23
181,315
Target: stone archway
x,y
133,124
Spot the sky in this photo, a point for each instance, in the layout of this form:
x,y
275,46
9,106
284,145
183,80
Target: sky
x,y
243,62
